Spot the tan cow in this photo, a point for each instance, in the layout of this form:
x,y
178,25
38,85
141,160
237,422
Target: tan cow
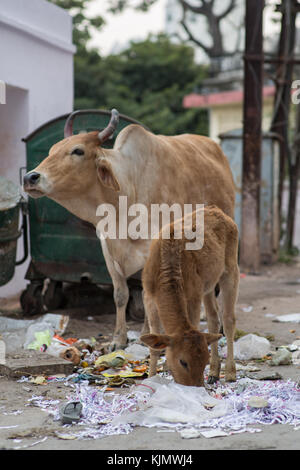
x,y
149,169
175,280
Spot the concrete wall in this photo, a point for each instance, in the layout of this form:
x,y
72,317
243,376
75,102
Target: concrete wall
x,y
36,64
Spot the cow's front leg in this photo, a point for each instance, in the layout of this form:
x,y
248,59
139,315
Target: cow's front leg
x,y
121,296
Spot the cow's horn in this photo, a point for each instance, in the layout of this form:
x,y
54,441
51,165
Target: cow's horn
x,y
110,129
68,129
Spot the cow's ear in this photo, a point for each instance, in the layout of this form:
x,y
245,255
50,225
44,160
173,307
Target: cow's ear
x,y
156,341
106,175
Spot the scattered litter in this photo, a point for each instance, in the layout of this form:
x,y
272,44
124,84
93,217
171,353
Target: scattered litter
x,y
161,403
31,445
137,351
38,337
175,403
282,357
247,309
39,380
114,359
291,317
213,433
9,427
250,347
133,335
18,334
190,433
257,402
71,354
70,412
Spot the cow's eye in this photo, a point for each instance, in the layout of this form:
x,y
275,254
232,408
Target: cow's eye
x,y
77,152
183,363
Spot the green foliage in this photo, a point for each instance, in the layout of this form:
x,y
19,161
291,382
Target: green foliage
x,y
147,81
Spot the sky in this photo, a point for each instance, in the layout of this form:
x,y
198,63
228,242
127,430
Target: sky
x,y
121,28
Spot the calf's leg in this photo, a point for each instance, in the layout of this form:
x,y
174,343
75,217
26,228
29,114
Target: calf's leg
x,y
194,311
211,308
155,328
229,285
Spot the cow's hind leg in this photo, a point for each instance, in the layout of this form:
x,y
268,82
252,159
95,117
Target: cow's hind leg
x,y
211,308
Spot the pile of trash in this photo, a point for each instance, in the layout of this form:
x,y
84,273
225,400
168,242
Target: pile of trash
x,y
89,357
99,409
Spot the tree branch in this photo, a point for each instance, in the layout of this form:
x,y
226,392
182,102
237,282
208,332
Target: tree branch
x,y
191,37
202,10
228,10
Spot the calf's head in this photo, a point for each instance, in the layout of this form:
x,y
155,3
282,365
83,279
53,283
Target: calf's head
x,y
187,354
70,167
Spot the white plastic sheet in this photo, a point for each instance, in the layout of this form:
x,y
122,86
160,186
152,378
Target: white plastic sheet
x,y
172,404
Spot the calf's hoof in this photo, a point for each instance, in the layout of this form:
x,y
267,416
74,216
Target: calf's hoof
x,y
117,344
230,377
212,379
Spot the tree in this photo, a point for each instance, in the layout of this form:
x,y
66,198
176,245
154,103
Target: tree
x,y
204,8
82,25
281,122
147,81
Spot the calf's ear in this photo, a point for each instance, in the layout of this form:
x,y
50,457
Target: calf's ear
x,y
156,341
211,338
106,175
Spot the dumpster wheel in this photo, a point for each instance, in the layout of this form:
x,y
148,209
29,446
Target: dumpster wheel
x,y
32,300
54,297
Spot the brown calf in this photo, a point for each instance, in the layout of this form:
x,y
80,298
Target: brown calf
x,y
175,281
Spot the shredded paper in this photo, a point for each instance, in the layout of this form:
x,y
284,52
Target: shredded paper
x,y
109,413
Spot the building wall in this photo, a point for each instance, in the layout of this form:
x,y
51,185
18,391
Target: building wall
x,y
226,118
36,64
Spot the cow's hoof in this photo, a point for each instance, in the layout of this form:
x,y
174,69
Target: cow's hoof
x,y
212,379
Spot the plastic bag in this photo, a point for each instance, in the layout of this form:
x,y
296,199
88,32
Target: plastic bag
x,y
170,403
251,347
38,334
138,351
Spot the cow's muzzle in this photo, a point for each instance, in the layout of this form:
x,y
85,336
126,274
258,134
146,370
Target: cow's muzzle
x,y
31,179
31,184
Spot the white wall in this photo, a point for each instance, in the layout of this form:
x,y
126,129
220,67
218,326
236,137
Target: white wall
x,y
36,64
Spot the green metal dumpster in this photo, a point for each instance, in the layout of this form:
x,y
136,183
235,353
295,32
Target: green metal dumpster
x,y
63,248
9,228
11,203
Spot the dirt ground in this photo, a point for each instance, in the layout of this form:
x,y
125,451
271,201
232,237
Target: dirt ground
x,y
276,290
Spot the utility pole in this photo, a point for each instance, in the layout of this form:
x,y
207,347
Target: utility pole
x,y
252,136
